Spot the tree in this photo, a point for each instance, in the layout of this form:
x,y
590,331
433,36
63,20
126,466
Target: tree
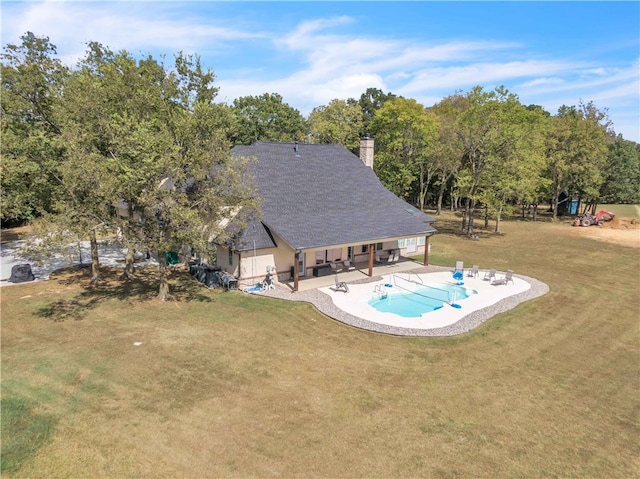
x,y
447,151
404,133
370,102
32,81
156,147
515,169
338,122
577,152
622,173
266,118
479,125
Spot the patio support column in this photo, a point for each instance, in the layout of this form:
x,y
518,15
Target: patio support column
x,y
371,246
296,266
426,251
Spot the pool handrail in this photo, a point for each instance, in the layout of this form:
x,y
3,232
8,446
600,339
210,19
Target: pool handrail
x,y
408,278
449,301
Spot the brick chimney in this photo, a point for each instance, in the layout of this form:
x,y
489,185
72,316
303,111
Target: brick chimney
x,y
366,150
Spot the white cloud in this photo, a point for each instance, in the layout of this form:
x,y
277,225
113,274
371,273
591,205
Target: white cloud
x,y
117,25
543,81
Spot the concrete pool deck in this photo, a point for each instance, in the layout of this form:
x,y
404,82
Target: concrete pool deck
x,y
352,308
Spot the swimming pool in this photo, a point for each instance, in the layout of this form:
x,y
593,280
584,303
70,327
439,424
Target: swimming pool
x,y
423,299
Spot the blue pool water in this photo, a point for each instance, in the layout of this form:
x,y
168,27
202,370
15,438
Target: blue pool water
x,y
412,304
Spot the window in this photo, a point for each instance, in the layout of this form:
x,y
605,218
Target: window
x,y
365,248
421,240
401,243
379,246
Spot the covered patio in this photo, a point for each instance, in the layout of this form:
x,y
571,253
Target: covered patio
x,y
360,273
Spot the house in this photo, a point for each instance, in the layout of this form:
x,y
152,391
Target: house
x,y
320,204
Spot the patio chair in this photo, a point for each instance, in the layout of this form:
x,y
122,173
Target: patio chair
x,y
348,266
335,269
268,283
490,275
396,256
340,285
474,271
459,267
507,277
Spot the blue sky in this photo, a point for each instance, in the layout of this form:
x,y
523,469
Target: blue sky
x,y
548,53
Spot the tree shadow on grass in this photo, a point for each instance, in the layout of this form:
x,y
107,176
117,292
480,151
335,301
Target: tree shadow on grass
x,y
142,287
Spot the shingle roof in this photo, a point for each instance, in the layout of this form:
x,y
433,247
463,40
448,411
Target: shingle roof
x,y
323,195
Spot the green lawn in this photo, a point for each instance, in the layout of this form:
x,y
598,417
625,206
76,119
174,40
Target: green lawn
x,y
234,385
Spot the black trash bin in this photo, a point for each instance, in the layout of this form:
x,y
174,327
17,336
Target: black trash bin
x,y
21,273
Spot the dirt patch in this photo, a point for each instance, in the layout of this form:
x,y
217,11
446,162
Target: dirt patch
x,y
622,231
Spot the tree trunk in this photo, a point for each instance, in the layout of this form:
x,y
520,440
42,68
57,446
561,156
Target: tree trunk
x,y
499,215
535,212
554,200
464,221
95,262
163,293
444,180
424,186
127,274
469,209
486,217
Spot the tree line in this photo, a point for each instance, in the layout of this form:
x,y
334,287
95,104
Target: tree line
x,y
137,147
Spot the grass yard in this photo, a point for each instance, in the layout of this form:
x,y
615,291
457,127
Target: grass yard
x,y
235,385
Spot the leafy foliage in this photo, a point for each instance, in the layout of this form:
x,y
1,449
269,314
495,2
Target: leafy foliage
x,y
266,118
32,80
405,132
338,122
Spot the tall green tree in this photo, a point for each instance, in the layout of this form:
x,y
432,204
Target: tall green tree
x,y
577,152
266,118
32,84
404,131
515,170
447,151
622,173
338,122
370,102
157,145
479,125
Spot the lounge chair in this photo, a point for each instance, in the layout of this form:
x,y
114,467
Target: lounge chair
x,y
335,269
396,256
474,271
348,266
507,277
490,275
459,267
268,283
340,285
